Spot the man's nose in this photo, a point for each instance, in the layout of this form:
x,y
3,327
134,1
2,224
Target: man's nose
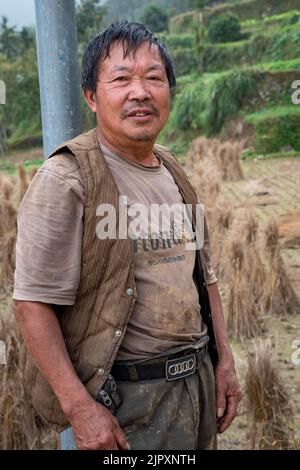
x,y
139,89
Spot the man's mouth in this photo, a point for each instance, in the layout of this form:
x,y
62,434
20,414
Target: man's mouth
x,y
140,113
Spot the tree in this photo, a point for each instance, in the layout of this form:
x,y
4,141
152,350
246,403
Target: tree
x,y
225,28
89,18
14,43
18,64
155,18
9,43
200,30
26,39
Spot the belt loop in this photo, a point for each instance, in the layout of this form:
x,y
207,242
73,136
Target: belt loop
x,y
133,372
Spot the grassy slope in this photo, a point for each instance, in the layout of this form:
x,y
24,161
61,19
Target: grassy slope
x,y
272,39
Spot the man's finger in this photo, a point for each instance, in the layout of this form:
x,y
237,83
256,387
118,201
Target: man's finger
x,y
220,402
121,439
231,409
226,422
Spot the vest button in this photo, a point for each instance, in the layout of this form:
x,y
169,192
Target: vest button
x,y
101,371
129,291
118,333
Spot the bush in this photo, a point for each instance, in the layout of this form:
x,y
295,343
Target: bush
x,y
225,28
276,128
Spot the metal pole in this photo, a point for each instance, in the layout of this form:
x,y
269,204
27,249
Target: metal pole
x,y
58,71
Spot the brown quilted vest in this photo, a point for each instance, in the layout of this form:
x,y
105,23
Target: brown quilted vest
x,y
93,328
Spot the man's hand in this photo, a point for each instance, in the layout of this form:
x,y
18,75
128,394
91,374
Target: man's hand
x,y
228,394
95,428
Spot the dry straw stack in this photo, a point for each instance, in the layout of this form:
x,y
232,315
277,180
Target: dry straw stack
x,y
205,168
280,296
11,193
269,405
249,267
8,231
224,156
19,426
18,422
245,279
234,241
254,284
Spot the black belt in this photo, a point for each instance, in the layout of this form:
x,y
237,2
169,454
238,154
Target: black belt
x,y
172,368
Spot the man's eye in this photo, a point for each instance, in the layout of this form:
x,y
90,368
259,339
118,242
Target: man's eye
x,y
153,77
121,79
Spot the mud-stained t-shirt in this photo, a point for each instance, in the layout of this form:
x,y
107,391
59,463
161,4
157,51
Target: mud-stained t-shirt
x,y
48,255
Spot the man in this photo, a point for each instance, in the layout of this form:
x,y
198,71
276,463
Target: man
x,y
117,344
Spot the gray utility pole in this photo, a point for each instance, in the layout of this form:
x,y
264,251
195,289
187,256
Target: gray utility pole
x,y
58,71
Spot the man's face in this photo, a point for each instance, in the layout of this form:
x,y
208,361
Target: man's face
x,y
132,98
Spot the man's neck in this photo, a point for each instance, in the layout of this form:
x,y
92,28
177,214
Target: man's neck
x,y
142,153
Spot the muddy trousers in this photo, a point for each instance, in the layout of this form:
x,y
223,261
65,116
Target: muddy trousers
x,y
175,415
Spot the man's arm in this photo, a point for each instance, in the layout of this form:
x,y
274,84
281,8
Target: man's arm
x,y
94,427
228,393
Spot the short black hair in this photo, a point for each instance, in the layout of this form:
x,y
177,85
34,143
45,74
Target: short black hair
x,y
131,35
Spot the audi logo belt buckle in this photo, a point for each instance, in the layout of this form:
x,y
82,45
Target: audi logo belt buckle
x,y
180,367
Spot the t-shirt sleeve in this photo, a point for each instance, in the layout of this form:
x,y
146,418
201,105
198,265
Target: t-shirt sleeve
x,y
48,249
208,269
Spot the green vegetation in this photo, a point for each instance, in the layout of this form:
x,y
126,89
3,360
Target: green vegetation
x,y
276,128
204,105
155,18
182,51
21,115
177,40
283,19
255,9
225,28
89,19
232,60
10,168
280,65
20,120
184,59
132,10
282,44
184,23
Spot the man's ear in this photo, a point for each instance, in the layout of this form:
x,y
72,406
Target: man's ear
x,y
89,97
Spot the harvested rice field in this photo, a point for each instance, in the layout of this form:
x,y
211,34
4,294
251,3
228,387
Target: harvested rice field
x,y
253,213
